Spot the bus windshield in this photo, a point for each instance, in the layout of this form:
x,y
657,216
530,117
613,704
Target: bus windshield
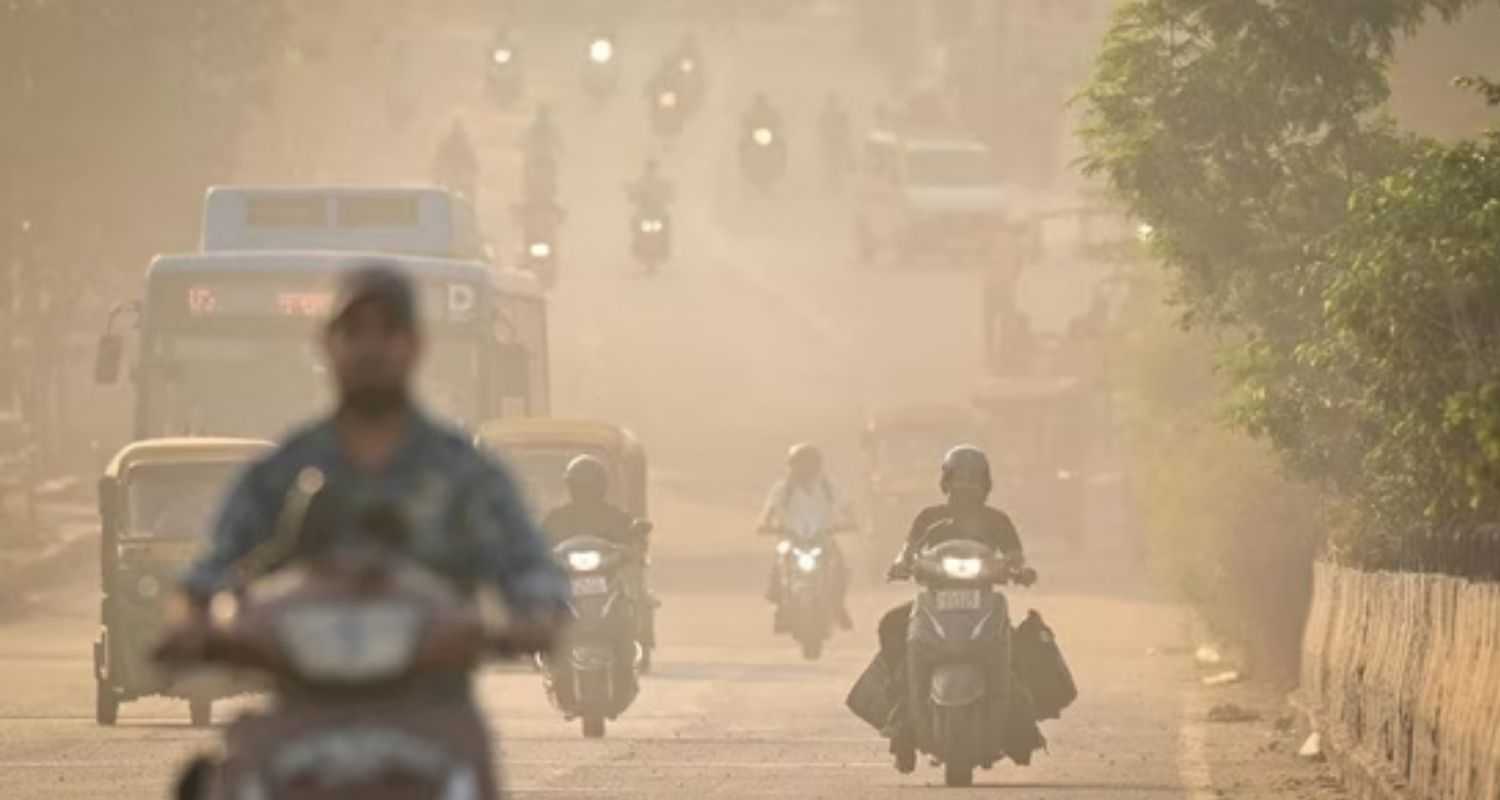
x,y
262,385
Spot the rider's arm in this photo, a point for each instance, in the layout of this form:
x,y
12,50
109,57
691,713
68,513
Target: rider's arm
x,y
510,551
770,514
245,521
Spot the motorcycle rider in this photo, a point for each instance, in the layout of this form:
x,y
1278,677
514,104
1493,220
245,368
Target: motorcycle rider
x,y
589,512
462,514
966,482
456,165
805,500
651,192
761,114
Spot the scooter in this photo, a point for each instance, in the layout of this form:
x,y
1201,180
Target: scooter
x,y
358,643
803,580
601,72
958,658
505,75
763,156
652,237
594,677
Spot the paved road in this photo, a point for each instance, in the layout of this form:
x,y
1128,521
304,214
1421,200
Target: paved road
x,y
731,711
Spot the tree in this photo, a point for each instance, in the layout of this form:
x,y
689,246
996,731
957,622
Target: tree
x,y
1308,235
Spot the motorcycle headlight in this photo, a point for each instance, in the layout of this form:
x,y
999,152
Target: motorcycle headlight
x,y
807,561
763,137
651,226
601,51
963,568
687,65
783,547
667,99
585,560
1064,474
540,250
503,56
344,642
148,586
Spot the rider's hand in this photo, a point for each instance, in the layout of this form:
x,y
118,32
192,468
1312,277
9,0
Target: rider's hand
x,y
898,571
1026,576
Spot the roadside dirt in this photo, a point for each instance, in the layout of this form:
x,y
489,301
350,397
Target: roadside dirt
x,y
1256,759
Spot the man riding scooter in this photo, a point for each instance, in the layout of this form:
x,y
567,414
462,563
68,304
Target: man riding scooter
x,y
965,515
589,512
805,500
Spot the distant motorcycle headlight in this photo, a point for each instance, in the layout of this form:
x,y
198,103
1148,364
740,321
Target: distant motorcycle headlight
x,y
763,137
687,65
667,99
963,568
601,51
503,56
148,586
807,560
585,560
651,226
540,250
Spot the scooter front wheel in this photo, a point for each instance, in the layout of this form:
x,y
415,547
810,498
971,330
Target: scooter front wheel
x,y
593,727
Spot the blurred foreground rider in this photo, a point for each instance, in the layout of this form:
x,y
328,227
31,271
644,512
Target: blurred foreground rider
x,y
805,502
966,482
461,513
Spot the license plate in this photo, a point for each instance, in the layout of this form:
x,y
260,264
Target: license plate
x,y
958,600
590,585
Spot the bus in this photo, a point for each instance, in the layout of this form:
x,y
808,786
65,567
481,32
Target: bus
x,y
410,220
228,342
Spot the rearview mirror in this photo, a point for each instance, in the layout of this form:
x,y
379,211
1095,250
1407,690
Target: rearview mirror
x,y
108,358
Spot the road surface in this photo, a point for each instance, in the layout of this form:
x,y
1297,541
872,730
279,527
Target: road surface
x,y
730,712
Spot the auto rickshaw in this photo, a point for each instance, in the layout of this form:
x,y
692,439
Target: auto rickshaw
x,y
157,499
904,447
538,449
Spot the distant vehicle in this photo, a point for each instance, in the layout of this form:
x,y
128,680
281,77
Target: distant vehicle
x,y
225,344
156,499
927,198
505,72
601,70
763,155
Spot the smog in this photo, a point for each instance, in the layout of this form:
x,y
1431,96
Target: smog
x,y
787,398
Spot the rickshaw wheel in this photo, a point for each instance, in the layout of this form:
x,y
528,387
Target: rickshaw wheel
x,y
200,712
106,705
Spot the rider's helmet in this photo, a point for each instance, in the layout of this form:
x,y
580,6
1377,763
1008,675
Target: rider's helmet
x,y
966,467
587,479
804,460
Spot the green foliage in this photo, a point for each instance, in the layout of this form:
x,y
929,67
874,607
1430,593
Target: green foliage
x,y
1350,274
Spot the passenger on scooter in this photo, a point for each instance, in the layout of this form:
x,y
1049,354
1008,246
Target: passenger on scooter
x,y
966,483
805,500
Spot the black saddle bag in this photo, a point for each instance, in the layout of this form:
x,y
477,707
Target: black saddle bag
x,y
1038,664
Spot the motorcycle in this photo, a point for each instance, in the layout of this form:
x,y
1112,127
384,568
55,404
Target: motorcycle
x,y
668,113
803,580
652,244
763,156
586,678
540,258
958,657
505,77
358,644
601,73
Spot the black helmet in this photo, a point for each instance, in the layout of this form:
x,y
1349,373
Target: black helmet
x,y
804,456
966,467
587,478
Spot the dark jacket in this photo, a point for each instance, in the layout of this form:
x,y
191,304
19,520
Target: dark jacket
x,y
590,519
982,524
